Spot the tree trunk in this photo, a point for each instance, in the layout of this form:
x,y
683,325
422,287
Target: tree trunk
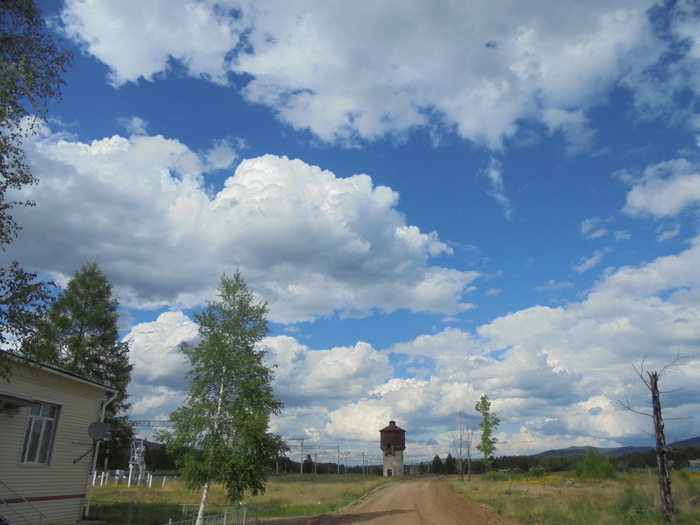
x,y
667,508
203,504
217,418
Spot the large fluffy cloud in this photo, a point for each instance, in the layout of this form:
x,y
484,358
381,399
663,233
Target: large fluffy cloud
x,y
366,69
555,375
308,242
126,36
158,381
303,376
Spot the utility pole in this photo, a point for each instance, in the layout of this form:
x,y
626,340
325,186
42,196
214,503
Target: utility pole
x,y
301,454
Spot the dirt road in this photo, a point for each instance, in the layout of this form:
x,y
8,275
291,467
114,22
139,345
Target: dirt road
x,y
411,502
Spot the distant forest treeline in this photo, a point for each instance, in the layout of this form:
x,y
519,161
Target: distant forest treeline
x,y
158,460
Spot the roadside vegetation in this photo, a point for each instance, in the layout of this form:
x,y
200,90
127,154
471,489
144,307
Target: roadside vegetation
x,y
537,497
581,489
565,498
285,496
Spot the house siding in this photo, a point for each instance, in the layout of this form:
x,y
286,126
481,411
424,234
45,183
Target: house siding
x,y
57,489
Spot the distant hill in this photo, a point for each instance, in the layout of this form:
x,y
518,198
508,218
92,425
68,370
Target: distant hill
x,y
691,442
582,451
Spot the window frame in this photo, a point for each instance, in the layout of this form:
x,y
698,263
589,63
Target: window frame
x,y
40,435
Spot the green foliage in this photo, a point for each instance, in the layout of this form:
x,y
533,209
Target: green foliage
x,y
450,465
80,334
159,459
537,472
22,303
495,475
308,464
595,466
221,433
31,63
437,467
488,424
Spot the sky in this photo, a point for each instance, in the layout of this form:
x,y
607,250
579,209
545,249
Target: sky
x,y
437,200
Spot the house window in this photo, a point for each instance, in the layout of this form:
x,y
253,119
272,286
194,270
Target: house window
x,y
41,429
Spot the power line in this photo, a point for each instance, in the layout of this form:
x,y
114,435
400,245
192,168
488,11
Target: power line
x,y
150,423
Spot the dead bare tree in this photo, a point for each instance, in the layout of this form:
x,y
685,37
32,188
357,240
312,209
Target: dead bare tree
x,y
463,441
651,381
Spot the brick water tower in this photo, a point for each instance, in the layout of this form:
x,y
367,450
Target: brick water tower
x,y
393,443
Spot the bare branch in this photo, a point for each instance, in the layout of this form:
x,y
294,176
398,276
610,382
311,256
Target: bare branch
x,y
627,406
673,363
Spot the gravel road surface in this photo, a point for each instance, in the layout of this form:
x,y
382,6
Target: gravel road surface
x,y
422,501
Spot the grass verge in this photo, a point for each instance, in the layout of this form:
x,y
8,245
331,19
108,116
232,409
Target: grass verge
x,y
630,498
286,496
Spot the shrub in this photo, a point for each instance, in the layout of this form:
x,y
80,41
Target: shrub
x,y
595,466
495,475
537,472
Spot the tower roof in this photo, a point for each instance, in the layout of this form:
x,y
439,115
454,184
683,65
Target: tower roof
x,y
392,428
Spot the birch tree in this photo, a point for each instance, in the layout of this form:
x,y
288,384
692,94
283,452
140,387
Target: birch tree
x,y
221,432
488,424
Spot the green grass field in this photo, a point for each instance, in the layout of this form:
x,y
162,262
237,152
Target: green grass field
x,y
564,499
286,496
561,499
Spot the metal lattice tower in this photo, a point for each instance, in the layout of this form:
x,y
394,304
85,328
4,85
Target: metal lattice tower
x,y
138,459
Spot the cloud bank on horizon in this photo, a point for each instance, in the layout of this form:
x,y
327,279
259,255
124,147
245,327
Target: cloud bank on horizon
x,y
348,252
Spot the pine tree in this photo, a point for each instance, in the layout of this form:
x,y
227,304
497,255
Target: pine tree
x,y
80,335
221,433
437,467
450,464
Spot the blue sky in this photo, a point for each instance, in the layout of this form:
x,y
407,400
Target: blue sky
x,y
435,202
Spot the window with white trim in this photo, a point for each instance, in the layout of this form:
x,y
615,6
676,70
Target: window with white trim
x,y
41,429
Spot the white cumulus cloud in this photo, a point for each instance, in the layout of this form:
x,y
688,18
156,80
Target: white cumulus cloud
x,y
665,189
572,363
362,70
310,243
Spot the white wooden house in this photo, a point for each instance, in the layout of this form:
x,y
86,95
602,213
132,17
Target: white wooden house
x,y
45,450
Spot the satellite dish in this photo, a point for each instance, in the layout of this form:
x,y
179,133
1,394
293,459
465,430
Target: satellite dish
x,y
98,430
